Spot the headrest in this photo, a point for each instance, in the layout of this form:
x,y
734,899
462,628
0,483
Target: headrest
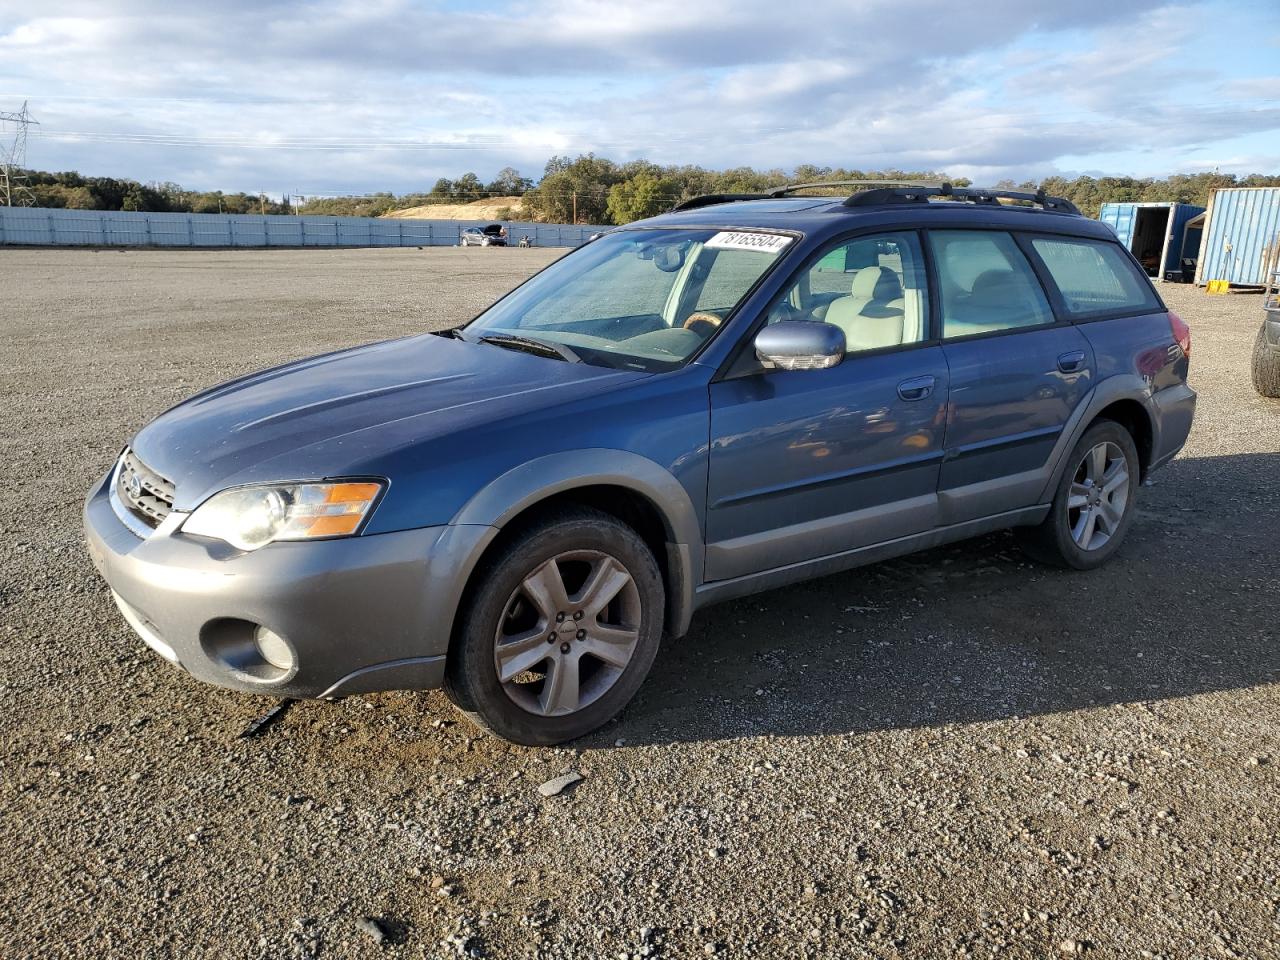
x,y
993,286
876,283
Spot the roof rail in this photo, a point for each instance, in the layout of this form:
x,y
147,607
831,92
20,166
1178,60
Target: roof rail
x,y
868,198
775,192
707,199
783,191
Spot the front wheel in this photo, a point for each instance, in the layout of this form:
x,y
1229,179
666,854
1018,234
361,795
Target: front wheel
x,y
1093,507
561,631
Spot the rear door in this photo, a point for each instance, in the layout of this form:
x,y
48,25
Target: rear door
x,y
1017,373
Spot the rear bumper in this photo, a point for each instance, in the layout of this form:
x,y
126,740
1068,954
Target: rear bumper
x,y
1175,409
360,614
1271,328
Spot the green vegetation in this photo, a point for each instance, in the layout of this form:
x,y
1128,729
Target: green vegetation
x,y
1089,194
591,189
74,192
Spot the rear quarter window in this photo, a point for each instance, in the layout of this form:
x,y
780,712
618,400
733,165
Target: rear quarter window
x,y
1094,276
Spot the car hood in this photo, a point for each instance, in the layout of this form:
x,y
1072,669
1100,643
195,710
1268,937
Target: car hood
x,y
341,413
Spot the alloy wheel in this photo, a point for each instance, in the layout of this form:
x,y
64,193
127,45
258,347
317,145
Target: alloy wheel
x,y
1099,496
567,633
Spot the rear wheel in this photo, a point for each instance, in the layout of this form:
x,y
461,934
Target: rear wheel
x,y
561,632
1266,366
1094,503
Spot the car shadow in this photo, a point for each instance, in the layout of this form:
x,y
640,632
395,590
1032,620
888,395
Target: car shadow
x,y
977,632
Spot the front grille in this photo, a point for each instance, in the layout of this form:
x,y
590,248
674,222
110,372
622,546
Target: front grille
x,y
146,494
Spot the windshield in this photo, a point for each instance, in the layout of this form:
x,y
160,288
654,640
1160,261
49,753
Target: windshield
x,y
642,299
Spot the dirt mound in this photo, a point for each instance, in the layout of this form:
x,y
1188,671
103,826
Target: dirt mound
x,y
475,210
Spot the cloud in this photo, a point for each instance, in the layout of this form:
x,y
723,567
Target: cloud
x,y
362,95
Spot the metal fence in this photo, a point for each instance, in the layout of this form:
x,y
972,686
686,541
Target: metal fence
x,y
112,228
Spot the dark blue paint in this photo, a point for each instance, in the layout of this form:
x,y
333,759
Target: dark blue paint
x,y
1009,401
789,448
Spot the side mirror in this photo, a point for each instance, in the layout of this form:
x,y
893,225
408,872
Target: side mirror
x,y
800,345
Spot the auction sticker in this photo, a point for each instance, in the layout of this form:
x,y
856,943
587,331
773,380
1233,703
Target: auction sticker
x,y
764,242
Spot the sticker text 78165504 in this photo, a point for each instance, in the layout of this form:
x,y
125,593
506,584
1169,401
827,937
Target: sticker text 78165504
x,y
741,240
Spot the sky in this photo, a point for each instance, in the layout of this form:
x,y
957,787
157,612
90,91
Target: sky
x,y
358,96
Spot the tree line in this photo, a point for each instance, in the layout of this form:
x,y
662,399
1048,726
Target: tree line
x,y
75,192
591,189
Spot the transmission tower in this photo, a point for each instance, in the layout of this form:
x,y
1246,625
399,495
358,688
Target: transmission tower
x,y
15,190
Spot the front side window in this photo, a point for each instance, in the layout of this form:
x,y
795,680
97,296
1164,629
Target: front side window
x,y
1094,276
872,288
640,299
986,284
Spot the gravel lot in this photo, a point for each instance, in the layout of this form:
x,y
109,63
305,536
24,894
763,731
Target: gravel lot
x,y
960,753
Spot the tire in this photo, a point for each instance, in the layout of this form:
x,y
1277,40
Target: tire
x,y
1266,366
591,564
1066,538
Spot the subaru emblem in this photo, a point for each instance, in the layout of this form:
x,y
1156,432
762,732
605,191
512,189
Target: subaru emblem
x,y
135,486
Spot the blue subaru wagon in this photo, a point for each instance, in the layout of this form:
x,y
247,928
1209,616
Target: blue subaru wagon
x,y
739,394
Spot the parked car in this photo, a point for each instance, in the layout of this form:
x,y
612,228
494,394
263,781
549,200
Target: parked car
x,y
728,398
1266,348
494,235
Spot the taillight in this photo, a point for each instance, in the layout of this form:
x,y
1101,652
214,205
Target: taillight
x,y
1181,332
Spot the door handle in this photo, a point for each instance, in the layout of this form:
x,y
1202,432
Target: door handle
x,y
917,388
1072,362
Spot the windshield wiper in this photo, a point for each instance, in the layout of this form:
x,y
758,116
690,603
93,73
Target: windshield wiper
x,y
542,348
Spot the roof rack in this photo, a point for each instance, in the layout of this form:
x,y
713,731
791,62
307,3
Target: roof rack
x,y
709,199
891,191
869,198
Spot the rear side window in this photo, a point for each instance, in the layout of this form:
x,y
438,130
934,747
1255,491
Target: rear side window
x,y
1094,276
986,283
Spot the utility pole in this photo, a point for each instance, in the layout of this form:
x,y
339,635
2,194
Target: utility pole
x,y
575,208
15,188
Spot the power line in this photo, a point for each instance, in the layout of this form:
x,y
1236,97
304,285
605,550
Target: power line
x,y
15,189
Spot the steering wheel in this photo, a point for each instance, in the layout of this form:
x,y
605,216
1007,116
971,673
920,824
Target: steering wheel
x,y
703,322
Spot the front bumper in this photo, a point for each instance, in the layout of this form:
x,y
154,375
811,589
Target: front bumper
x,y
360,613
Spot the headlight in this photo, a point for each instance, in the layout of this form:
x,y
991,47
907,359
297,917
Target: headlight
x,y
251,517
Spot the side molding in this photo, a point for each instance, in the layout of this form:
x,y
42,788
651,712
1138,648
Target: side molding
x,y
536,480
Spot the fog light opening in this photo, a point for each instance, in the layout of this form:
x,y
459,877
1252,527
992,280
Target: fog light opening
x,y
272,648
249,649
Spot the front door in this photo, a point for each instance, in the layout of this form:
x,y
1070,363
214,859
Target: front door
x,y
810,463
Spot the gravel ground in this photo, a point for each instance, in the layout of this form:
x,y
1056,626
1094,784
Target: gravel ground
x,y
960,753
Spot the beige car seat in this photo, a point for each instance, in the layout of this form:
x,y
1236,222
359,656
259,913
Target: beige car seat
x,y
1000,299
872,315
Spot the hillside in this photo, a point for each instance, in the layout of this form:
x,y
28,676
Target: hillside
x,y
475,210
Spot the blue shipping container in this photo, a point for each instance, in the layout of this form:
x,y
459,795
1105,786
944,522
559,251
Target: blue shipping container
x,y
1241,237
1157,234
